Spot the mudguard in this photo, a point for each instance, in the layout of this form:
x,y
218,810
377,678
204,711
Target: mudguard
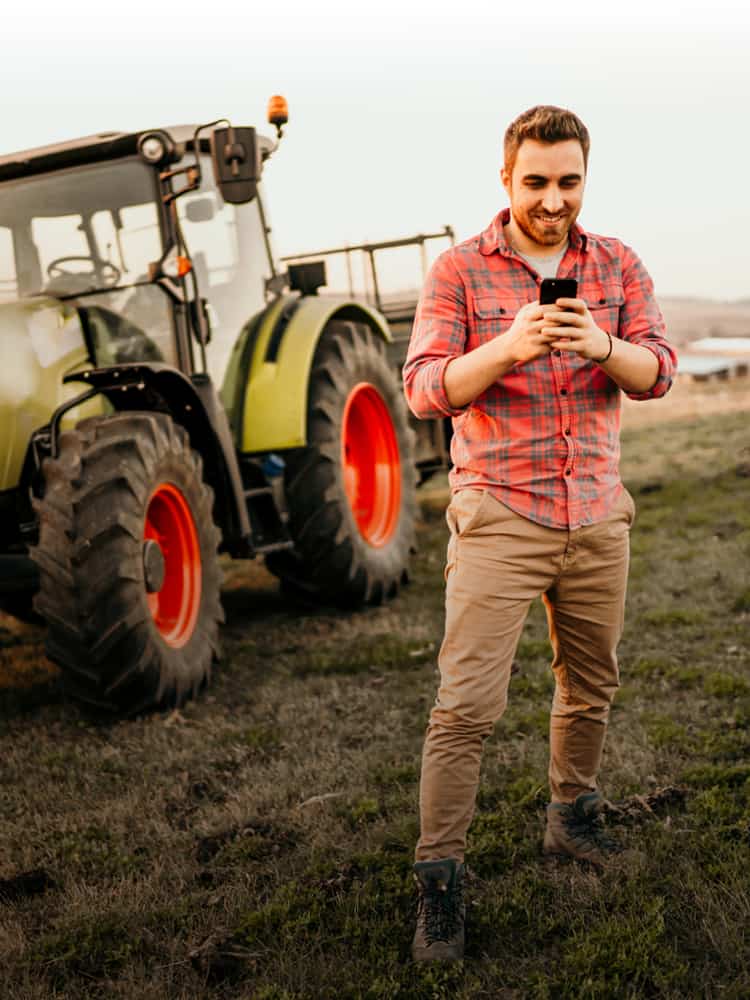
x,y
265,389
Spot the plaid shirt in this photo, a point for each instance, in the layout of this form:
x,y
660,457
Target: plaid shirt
x,y
544,438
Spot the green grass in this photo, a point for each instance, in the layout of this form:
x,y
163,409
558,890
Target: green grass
x,y
258,844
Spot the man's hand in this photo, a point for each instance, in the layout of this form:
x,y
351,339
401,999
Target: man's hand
x,y
571,327
535,331
528,337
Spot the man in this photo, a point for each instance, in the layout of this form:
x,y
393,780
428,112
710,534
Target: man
x,y
538,508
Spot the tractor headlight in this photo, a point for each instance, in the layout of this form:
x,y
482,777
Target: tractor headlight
x,y
155,148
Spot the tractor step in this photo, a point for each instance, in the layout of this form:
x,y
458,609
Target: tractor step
x,y
268,526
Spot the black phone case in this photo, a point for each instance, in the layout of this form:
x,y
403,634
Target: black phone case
x,y
552,289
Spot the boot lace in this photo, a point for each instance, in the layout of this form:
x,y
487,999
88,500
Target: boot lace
x,y
440,909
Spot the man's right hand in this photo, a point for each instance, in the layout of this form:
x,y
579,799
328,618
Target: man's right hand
x,y
524,340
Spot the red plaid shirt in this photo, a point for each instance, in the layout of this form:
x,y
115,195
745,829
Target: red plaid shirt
x,y
544,438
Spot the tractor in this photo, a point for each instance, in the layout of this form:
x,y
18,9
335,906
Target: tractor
x,y
170,392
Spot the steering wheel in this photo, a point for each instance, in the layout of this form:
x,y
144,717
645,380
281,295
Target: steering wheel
x,y
106,271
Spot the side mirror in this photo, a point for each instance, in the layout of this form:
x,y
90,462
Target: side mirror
x,y
235,155
200,209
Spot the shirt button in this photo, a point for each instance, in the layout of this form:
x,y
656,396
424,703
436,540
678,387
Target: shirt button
x,y
557,352
567,472
563,392
567,430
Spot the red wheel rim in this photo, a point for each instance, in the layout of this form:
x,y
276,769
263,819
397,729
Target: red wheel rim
x,y
169,522
371,464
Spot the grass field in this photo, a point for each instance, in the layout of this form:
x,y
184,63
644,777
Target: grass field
x,y
258,843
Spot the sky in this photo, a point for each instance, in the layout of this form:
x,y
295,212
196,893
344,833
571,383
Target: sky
x,y
397,110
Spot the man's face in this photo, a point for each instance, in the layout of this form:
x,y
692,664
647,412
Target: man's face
x,y
546,189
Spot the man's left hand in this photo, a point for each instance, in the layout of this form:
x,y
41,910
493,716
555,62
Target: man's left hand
x,y
576,330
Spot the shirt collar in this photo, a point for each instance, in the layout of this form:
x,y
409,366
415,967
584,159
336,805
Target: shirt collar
x,y
493,237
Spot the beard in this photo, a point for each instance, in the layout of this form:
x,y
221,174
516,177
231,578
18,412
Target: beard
x,y
542,233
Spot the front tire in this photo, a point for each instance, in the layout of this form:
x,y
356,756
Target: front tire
x,y
351,491
127,557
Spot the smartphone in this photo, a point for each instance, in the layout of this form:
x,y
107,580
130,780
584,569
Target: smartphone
x,y
552,289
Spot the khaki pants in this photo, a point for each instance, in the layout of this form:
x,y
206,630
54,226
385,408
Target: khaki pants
x,y
498,563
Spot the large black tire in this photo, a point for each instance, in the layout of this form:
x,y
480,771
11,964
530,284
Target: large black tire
x,y
120,648
334,559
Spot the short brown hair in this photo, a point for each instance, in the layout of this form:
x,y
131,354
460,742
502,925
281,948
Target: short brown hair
x,y
545,123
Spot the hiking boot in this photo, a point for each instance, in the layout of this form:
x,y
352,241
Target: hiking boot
x,y
440,911
575,829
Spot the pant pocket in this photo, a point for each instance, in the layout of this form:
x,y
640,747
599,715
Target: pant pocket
x,y
465,511
462,514
629,505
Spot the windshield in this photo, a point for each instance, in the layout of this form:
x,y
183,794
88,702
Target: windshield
x,y
76,231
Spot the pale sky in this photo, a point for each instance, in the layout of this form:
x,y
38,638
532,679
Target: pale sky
x,y
397,110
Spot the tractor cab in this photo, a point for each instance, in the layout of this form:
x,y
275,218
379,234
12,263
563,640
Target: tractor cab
x,y
157,241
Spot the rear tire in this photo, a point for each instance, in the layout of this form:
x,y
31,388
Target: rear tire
x,y
351,491
128,565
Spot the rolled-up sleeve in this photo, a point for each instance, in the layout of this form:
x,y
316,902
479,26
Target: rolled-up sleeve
x,y
642,323
438,336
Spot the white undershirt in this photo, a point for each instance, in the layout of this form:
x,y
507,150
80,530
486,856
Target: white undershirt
x,y
546,267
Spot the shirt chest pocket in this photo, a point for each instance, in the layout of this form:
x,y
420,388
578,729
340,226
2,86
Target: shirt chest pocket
x,y
605,302
492,316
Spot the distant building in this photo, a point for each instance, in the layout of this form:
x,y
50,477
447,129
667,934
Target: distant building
x,y
738,346
715,358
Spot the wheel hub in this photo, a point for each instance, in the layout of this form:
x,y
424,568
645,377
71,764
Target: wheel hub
x,y
371,464
154,566
172,564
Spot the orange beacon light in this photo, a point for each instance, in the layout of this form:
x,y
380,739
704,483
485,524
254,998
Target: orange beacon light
x,y
278,113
